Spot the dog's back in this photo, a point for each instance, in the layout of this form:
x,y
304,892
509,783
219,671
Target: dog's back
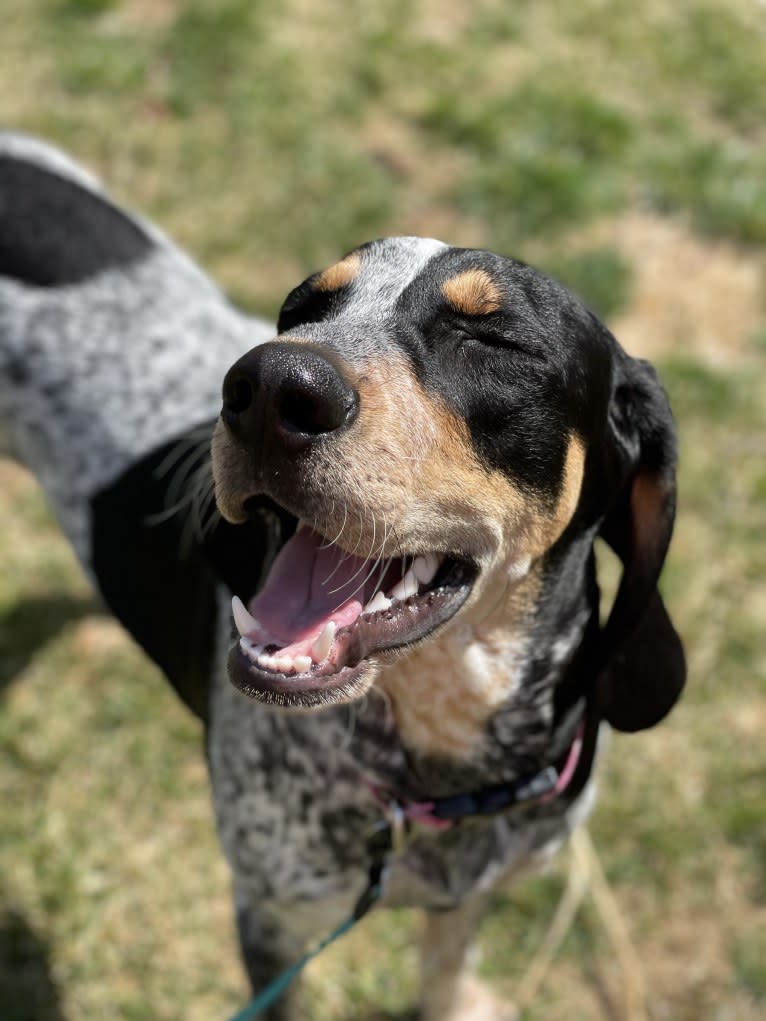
x,y
112,348
111,341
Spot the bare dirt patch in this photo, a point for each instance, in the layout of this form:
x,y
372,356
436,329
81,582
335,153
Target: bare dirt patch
x,y
146,13
690,296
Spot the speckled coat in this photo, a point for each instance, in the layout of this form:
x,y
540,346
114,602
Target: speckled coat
x,y
113,346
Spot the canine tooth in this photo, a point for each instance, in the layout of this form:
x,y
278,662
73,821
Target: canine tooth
x,y
405,588
424,568
302,664
242,618
378,602
323,643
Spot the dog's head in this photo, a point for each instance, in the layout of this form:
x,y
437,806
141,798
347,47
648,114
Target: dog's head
x,y
439,422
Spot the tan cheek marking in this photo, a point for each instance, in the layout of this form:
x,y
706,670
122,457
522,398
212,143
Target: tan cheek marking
x,y
474,293
340,274
530,530
422,455
574,470
229,475
443,693
412,459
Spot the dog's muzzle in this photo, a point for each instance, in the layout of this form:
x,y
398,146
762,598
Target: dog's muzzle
x,y
324,612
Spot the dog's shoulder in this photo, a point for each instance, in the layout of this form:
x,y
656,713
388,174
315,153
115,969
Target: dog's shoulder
x,y
112,347
160,555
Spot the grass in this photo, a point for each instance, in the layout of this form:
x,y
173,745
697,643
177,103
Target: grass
x,y
268,139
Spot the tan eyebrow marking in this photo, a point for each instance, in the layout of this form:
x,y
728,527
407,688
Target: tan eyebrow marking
x,y
473,292
339,274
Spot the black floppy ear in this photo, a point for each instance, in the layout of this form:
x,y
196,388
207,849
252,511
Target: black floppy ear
x,y
642,665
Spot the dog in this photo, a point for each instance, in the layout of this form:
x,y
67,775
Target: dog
x,y
411,475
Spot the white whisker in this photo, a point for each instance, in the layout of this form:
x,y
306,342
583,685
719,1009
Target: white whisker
x,y
362,565
385,562
181,476
204,510
327,545
159,517
372,570
330,542
190,490
342,560
199,438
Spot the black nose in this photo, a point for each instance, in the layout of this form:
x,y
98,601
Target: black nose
x,y
288,392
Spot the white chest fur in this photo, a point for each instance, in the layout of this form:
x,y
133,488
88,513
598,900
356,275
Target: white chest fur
x,y
442,694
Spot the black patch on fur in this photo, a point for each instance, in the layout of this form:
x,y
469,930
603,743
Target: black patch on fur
x,y
159,577
53,231
306,304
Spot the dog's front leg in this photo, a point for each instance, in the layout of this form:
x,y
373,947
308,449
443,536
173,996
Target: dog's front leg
x,y
267,950
449,992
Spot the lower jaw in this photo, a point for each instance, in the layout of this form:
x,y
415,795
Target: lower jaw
x,y
348,684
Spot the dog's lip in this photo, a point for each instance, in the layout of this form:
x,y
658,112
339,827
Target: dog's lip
x,y
368,638
291,690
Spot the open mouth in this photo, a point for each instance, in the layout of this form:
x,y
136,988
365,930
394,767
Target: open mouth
x,y
310,635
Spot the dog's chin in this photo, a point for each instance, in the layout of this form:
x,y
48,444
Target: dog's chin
x,y
325,620
301,691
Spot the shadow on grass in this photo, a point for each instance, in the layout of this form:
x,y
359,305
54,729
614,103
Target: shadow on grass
x,y
29,624
27,989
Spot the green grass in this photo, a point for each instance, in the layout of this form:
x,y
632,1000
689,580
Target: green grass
x,y
750,962
269,138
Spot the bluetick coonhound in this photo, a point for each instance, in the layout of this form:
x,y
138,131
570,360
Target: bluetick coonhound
x,y
410,479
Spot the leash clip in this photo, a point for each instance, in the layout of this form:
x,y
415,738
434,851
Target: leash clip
x,y
397,820
390,833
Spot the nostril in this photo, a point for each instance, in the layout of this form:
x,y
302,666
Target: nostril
x,y
237,395
303,410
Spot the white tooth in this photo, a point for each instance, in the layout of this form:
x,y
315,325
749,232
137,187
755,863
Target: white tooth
x,y
251,650
405,588
244,621
267,662
424,568
323,643
378,602
284,664
302,664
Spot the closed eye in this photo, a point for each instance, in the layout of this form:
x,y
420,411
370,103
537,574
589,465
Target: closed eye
x,y
490,336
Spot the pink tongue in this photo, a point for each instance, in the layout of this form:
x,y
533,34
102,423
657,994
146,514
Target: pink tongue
x,y
309,585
